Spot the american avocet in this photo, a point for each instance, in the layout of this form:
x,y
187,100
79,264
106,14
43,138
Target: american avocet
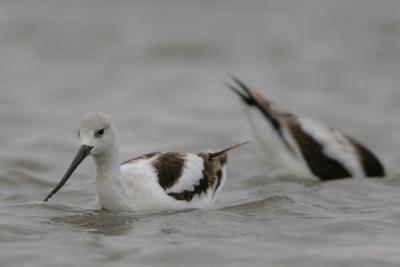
x,y
155,181
298,146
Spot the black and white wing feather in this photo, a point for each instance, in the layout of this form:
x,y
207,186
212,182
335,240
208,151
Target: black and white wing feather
x,y
188,177
302,145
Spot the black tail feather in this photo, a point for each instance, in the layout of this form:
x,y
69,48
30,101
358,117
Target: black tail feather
x,y
243,86
245,98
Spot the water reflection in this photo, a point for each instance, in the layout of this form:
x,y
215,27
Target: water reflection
x,y
99,222
110,223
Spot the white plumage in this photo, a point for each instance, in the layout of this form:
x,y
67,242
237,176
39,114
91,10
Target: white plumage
x,y
303,147
335,145
192,173
155,181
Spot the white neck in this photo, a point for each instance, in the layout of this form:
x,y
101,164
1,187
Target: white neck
x,y
110,191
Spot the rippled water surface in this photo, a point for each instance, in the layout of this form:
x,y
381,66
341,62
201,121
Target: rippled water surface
x,y
158,68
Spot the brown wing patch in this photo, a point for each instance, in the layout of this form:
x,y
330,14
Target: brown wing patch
x,y
169,167
213,168
188,195
371,164
212,175
322,166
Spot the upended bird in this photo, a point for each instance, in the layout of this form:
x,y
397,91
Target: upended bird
x,y
302,147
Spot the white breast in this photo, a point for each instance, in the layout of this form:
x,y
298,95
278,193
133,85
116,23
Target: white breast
x,y
141,185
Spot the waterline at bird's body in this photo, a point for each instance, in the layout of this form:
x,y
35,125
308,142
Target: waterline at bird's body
x,y
155,181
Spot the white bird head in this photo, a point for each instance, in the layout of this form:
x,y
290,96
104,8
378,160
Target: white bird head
x,y
98,132
98,138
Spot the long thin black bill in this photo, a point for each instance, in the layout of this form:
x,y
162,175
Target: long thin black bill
x,y
219,153
83,152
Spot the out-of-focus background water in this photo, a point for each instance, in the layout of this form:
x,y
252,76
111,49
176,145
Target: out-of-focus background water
x,y
158,68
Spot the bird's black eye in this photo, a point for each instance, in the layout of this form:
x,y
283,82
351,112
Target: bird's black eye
x,y
99,133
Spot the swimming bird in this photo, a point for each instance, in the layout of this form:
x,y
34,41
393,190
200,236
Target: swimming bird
x,y
155,181
302,147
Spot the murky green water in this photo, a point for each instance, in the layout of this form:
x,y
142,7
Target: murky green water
x,y
158,67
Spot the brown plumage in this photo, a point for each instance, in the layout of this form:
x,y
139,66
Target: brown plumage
x,y
322,166
372,165
206,171
304,144
211,176
169,167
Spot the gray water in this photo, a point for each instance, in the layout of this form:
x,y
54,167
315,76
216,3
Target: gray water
x,y
158,68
